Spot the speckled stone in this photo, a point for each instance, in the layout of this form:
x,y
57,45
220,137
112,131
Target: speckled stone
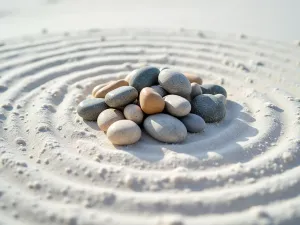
x,y
144,77
121,96
124,132
209,107
108,117
165,128
89,109
213,89
157,88
177,105
134,112
196,90
193,123
175,82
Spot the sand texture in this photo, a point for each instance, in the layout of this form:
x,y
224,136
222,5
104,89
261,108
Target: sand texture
x,y
56,168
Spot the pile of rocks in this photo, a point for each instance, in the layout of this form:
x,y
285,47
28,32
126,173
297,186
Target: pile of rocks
x,y
165,102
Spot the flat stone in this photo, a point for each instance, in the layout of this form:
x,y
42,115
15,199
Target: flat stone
x,y
144,77
177,105
109,87
89,109
213,89
121,96
108,117
174,82
124,132
209,107
165,128
134,113
193,123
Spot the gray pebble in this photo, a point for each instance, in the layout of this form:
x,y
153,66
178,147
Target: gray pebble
x,y
165,128
144,77
121,96
177,105
193,123
175,82
196,90
157,88
213,89
209,107
90,109
221,97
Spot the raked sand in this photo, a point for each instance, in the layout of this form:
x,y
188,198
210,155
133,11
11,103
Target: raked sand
x,y
56,168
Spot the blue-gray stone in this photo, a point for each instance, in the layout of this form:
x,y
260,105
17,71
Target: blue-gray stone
x,y
209,107
144,77
213,89
89,109
121,96
193,123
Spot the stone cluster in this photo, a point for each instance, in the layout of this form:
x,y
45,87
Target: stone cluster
x,y
166,103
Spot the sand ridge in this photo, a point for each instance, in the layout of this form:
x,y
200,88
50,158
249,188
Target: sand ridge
x,y
58,169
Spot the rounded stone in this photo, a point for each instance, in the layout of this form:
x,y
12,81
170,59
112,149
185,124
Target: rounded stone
x,y
109,87
174,82
108,117
121,96
89,109
196,90
134,113
150,101
193,123
98,87
124,132
128,77
177,105
213,89
221,97
159,90
193,78
209,107
165,128
144,77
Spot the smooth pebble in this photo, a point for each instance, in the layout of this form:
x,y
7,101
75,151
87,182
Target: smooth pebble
x,y
209,107
213,89
193,123
193,78
124,132
150,101
144,77
121,96
134,112
98,87
89,109
175,82
108,117
159,90
177,105
109,87
165,128
196,90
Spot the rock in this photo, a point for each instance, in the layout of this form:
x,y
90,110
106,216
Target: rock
x,y
163,68
193,78
193,123
98,87
109,87
213,89
174,82
159,90
177,105
151,102
121,96
221,97
134,112
196,90
90,109
209,107
165,128
144,77
108,117
124,132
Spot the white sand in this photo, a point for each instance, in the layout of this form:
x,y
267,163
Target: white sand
x,y
57,169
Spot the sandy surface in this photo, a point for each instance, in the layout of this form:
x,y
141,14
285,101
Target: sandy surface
x,y
56,168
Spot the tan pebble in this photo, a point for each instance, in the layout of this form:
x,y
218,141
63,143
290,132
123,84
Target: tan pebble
x,y
98,87
196,90
150,101
109,87
124,132
108,117
134,113
128,77
193,78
